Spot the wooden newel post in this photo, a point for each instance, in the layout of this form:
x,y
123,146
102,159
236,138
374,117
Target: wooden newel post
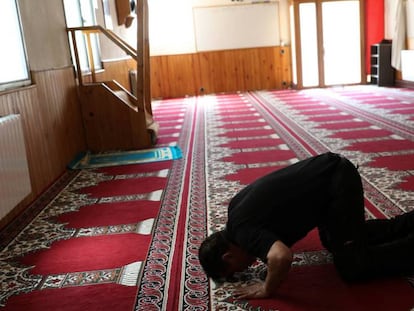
x,y
143,69
143,63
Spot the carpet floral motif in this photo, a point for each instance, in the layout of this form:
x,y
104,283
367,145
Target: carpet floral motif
x,y
44,230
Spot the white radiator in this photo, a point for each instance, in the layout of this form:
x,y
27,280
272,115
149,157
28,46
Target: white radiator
x,y
14,170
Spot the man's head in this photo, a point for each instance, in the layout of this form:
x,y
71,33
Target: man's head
x,y
221,258
211,254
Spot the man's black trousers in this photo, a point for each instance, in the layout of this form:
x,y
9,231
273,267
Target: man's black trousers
x,y
364,249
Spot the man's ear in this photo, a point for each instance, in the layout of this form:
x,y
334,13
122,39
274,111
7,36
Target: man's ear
x,y
227,256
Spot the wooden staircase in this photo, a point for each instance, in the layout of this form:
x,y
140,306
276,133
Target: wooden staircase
x,y
113,117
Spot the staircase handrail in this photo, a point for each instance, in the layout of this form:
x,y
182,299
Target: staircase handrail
x,y
110,35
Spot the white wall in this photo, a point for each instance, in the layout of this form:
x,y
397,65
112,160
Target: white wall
x,y
171,25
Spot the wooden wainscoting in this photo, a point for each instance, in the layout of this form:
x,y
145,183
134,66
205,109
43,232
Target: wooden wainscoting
x,y
52,126
221,71
208,72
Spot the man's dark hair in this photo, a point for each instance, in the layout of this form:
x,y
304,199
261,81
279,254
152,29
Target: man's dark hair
x,y
211,254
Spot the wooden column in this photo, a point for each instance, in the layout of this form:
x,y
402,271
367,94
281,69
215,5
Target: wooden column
x,y
143,66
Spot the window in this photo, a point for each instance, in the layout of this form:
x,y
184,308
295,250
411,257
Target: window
x,y
14,70
328,42
81,13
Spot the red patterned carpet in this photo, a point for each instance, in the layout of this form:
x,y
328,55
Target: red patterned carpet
x,y
126,238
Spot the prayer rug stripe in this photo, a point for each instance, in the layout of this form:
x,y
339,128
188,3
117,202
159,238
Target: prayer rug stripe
x,y
88,253
253,142
92,298
123,187
366,133
110,214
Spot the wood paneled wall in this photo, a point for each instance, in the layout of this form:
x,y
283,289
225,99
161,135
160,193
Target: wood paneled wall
x,y
220,71
116,70
208,72
52,126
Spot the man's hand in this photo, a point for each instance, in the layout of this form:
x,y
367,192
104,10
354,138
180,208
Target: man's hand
x,y
279,260
253,291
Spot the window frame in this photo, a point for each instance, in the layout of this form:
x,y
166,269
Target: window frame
x,y
25,81
81,19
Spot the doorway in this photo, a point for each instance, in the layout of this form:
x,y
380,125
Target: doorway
x,y
328,41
